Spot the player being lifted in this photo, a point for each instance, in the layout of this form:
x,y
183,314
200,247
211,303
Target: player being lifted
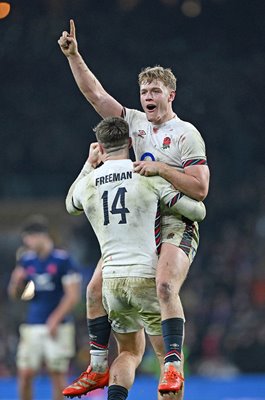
x,y
177,153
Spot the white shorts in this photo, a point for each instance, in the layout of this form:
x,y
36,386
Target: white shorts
x,y
37,346
132,304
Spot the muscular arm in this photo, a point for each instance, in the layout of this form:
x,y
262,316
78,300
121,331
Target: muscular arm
x,y
194,182
103,103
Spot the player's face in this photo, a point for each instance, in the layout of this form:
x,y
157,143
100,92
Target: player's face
x,y
33,241
156,100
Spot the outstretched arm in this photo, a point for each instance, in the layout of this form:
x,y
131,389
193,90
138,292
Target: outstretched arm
x,y
103,103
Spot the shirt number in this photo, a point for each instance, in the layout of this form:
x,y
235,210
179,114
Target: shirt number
x,y
122,210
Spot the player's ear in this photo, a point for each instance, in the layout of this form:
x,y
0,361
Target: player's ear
x,y
172,95
129,143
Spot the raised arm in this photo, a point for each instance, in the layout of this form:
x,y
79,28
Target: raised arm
x,y
103,103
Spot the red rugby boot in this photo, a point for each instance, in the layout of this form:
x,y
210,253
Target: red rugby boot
x,y
172,380
87,381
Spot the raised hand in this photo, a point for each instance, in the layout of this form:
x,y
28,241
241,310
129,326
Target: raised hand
x,y
95,156
68,42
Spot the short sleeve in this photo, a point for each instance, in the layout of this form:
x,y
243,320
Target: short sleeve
x,y
192,148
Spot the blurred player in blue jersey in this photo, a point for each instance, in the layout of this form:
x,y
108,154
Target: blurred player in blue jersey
x,y
174,149
48,278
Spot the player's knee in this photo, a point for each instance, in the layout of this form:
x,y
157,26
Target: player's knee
x,y
26,377
166,291
135,357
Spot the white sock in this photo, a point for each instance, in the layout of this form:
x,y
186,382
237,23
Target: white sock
x,y
99,360
175,363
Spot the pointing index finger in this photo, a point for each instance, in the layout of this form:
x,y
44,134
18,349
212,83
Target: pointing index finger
x,y
72,28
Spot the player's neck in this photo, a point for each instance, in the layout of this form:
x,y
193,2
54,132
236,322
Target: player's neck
x,y
167,117
118,155
45,249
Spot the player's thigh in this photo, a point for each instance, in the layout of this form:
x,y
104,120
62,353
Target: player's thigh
x,y
30,350
60,349
133,342
173,264
183,234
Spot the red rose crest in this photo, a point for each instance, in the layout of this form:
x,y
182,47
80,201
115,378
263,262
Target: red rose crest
x,y
166,142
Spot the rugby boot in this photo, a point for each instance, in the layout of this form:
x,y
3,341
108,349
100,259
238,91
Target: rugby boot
x,y
87,381
172,380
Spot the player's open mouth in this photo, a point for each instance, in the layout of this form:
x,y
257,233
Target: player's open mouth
x,y
151,107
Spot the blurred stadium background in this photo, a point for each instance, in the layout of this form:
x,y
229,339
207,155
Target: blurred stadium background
x,y
216,48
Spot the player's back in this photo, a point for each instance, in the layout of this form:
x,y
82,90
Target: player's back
x,y
122,207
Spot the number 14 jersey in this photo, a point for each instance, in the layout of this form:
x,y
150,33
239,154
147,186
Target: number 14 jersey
x,y
122,208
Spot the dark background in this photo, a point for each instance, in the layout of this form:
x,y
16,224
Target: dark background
x,y
46,127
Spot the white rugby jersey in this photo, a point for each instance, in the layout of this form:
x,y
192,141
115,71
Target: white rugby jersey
x,y
122,207
175,142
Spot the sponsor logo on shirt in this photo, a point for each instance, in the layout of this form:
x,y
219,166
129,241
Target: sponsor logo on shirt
x,y
141,133
44,282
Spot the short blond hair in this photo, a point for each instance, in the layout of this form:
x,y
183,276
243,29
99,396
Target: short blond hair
x,y
165,75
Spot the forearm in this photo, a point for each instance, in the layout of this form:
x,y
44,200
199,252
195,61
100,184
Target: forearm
x,y
104,104
16,284
14,290
85,79
185,183
191,209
